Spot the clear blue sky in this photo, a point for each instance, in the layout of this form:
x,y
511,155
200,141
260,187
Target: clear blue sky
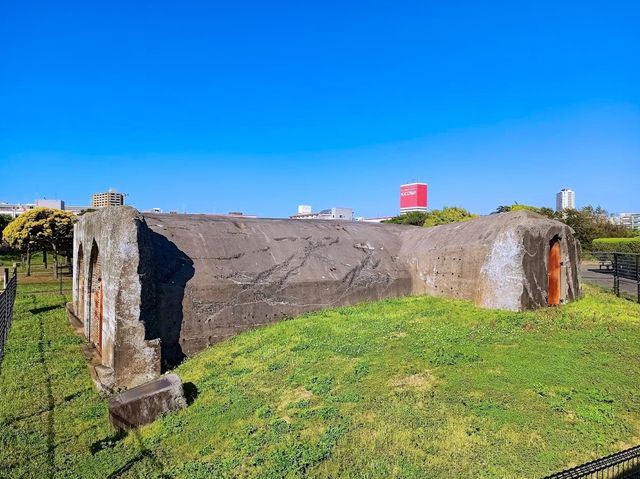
x,y
260,106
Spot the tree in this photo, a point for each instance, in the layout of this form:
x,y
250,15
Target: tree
x,y
588,223
41,229
449,214
415,218
502,209
544,211
4,221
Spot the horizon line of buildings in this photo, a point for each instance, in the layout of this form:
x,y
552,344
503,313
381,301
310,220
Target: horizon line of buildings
x,y
413,197
98,200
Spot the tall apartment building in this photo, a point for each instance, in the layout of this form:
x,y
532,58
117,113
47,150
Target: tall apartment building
x,y
565,199
108,198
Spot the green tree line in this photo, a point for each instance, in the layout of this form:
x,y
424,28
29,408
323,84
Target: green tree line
x,y
588,223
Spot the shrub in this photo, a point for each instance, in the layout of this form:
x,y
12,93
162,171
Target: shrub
x,y
448,214
620,245
415,218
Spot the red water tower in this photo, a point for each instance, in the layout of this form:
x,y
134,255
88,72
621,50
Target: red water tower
x,y
413,197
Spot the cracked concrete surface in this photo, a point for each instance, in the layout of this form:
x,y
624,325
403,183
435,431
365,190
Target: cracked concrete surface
x,y
193,280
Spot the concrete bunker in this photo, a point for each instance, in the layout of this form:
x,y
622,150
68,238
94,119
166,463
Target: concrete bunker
x,y
159,287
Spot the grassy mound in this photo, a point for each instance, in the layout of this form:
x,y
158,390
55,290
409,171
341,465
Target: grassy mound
x,y
411,387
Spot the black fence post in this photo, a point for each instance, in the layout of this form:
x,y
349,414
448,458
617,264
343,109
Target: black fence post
x,y
616,278
638,275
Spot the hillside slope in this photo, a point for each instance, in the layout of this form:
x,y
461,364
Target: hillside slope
x,y
411,387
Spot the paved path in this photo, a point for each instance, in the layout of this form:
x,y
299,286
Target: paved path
x,y
602,277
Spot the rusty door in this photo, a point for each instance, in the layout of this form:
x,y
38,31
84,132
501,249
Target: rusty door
x,y
98,312
553,266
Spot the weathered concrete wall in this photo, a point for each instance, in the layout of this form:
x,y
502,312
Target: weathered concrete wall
x,y
175,284
497,261
233,274
112,239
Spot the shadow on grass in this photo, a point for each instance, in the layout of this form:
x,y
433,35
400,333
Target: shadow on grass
x,y
143,453
46,309
51,435
190,392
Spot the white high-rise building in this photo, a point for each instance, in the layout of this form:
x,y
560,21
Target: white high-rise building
x,y
565,200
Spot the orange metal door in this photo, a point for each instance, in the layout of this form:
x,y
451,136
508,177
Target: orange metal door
x,y
554,273
100,312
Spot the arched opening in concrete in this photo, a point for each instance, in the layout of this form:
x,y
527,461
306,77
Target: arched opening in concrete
x,y
553,269
80,286
96,298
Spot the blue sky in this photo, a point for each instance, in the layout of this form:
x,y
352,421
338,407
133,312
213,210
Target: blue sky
x,y
260,106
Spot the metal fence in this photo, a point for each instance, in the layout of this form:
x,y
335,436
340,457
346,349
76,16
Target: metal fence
x,y
7,298
622,465
619,271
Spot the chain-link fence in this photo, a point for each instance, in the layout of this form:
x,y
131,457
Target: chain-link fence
x,y
618,271
7,298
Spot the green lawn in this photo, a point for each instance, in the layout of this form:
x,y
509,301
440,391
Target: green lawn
x,y
413,387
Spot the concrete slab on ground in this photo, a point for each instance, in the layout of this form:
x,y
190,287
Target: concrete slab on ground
x,y
143,404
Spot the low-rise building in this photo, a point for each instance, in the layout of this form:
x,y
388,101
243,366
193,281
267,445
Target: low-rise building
x,y
630,220
305,213
15,209
378,219
55,204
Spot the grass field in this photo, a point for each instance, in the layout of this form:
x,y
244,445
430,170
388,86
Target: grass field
x,y
412,387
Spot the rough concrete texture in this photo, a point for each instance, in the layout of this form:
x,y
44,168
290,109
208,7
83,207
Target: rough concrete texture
x,y
107,285
144,404
175,284
498,261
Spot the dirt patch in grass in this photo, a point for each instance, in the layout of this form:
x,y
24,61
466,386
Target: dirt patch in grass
x,y
421,381
397,335
295,396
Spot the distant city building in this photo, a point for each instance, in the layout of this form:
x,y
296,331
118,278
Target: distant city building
x,y
239,214
413,197
379,219
305,213
15,209
76,210
565,200
336,214
108,198
56,204
304,209
630,220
